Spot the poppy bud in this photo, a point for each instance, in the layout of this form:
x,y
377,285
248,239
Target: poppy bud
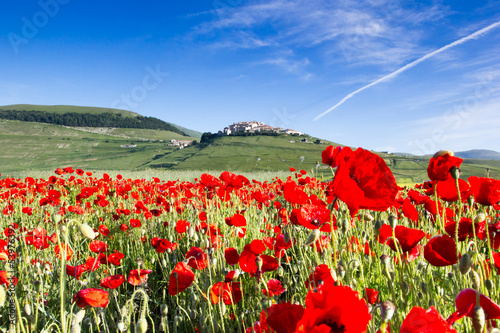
x,y
481,217
87,231
465,264
393,221
258,262
164,310
488,284
142,326
367,217
280,271
386,260
455,173
56,218
475,279
421,265
313,237
378,224
341,271
423,287
286,237
478,319
2,296
75,328
27,309
121,326
191,232
387,309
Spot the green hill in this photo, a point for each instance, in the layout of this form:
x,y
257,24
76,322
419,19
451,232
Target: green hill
x,y
67,109
29,146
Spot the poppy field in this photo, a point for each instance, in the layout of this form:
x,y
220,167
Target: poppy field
x,y
356,253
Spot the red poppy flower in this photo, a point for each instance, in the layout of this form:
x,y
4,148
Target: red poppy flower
x,y
420,320
334,156
440,251
75,271
294,194
332,308
138,276
314,217
123,227
409,210
466,229
237,220
280,246
274,288
496,260
283,317
96,298
6,280
231,255
486,190
197,258
466,301
181,226
104,230
407,238
230,292
66,249
181,278
112,282
447,190
440,165
248,259
92,264
136,223
321,274
98,246
364,181
371,295
115,258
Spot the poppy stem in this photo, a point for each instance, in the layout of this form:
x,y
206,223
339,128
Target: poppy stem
x,y
459,217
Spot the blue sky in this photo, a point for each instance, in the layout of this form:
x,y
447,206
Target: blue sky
x,y
207,64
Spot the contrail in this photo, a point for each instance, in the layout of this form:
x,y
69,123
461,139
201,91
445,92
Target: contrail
x,y
412,64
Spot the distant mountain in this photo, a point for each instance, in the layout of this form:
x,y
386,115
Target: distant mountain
x,y
479,154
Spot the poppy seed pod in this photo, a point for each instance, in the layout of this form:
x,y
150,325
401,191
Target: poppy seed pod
x,y
478,319
87,231
465,264
387,309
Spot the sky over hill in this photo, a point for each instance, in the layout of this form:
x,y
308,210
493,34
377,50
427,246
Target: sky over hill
x,y
387,75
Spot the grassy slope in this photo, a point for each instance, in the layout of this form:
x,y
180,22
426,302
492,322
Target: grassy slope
x,y
36,146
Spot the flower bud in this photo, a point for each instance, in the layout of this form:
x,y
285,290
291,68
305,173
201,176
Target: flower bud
x,y
366,217
481,217
475,279
142,326
387,309
455,172
478,319
465,264
488,284
393,221
313,237
378,224
87,231
121,326
286,237
27,309
2,296
56,218
164,310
